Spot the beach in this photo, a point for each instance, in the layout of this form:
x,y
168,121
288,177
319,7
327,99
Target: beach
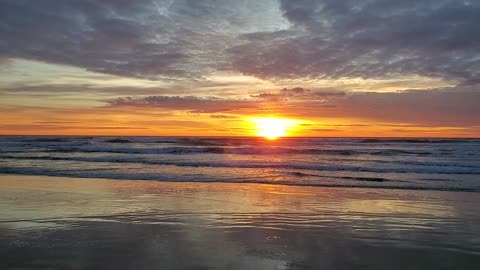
x,y
239,135
78,223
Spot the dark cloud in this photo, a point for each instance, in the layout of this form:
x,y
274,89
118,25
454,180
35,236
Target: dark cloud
x,y
185,103
222,116
368,39
299,93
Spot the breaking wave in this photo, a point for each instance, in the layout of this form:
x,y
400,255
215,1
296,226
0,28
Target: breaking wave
x,y
440,164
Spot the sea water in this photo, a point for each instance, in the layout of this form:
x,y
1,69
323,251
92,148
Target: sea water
x,y
398,163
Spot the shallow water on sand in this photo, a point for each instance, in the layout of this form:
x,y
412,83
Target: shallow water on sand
x,y
58,223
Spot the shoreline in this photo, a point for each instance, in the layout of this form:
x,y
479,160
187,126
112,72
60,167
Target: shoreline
x,y
339,186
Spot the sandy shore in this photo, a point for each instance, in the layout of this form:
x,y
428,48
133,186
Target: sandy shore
x,y
70,223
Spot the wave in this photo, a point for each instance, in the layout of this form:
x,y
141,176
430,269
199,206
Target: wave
x,y
371,179
43,139
228,141
57,139
239,151
189,141
118,141
159,177
373,162
444,169
418,140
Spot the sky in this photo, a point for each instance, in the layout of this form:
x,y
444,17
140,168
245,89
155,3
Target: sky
x,y
350,68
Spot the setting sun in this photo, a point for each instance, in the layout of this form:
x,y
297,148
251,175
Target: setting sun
x,y
272,128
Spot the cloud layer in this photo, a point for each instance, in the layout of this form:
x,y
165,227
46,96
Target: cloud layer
x,y
154,39
368,39
159,39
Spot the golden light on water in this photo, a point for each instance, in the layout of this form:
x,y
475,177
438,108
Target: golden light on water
x,y
272,128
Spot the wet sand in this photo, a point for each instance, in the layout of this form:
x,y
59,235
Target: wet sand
x,y
71,223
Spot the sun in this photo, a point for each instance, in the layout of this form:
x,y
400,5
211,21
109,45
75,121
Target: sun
x,y
272,128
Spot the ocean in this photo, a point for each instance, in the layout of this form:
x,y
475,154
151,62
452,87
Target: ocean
x,y
393,163
329,203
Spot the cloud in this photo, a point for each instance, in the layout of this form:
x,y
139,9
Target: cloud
x,y
299,93
222,116
187,39
174,55
153,39
253,104
186,103
447,107
409,108
369,39
62,127
55,90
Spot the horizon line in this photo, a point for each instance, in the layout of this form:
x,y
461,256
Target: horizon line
x,y
230,136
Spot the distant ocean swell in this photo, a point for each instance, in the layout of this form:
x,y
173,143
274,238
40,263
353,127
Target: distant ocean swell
x,y
235,150
438,164
204,141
